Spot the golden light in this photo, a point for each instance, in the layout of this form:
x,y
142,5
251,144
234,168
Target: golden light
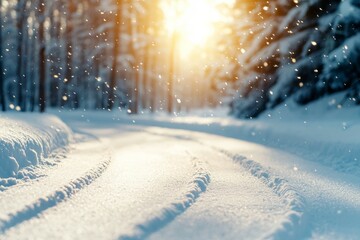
x,y
193,21
196,21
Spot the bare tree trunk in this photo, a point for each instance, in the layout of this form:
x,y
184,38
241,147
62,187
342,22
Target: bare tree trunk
x,y
154,85
171,76
83,69
2,79
69,54
116,51
21,5
42,57
134,105
25,60
149,30
55,55
95,60
31,79
153,61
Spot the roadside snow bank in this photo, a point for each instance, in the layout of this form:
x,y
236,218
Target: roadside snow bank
x,y
333,143
321,132
26,139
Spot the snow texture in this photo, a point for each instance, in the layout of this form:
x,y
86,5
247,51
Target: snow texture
x,y
319,132
26,140
197,186
53,199
160,182
295,223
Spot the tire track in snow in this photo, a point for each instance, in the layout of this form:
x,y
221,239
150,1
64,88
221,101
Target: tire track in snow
x,y
61,195
296,225
196,187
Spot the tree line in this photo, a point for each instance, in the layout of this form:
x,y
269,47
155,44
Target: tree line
x,y
87,54
115,54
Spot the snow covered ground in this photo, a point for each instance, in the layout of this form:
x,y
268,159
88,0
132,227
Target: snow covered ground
x,y
283,176
27,141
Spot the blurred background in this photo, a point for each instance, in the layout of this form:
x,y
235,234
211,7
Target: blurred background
x,y
178,55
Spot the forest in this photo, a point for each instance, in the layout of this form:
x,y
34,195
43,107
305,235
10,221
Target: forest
x,y
179,119
137,55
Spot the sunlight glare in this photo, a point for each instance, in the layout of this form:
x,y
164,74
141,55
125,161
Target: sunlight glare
x,y
193,21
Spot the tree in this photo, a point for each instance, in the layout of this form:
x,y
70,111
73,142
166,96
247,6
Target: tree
x,y
304,51
171,74
116,52
2,80
42,56
68,80
21,12
152,22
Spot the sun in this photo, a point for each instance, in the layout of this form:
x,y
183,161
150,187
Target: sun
x,y
196,21
193,21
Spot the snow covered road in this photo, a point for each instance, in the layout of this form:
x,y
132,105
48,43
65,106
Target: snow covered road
x,y
127,181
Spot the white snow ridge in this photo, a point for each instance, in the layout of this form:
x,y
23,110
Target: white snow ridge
x,y
25,140
295,226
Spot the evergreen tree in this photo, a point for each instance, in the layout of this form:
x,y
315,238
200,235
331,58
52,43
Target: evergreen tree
x,y
305,50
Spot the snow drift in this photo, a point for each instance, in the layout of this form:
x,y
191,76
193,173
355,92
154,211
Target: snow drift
x,y
334,144
26,140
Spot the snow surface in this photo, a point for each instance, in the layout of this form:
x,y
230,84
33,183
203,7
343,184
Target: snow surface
x,y
25,141
321,132
190,176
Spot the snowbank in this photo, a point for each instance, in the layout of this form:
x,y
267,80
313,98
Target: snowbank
x,y
327,143
26,139
321,132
